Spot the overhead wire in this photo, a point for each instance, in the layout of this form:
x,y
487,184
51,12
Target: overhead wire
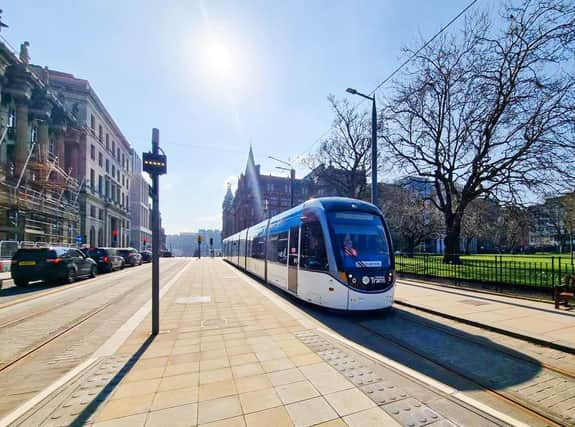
x,y
397,69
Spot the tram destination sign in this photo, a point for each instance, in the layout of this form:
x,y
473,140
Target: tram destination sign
x,y
154,164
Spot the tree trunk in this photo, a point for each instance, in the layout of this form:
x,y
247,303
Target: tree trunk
x,y
453,231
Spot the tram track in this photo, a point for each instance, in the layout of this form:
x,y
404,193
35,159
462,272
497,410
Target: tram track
x,y
37,313
57,290
36,347
512,398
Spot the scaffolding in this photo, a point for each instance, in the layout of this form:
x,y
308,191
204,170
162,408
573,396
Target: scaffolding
x,y
42,201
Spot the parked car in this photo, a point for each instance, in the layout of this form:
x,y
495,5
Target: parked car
x,y
51,264
106,258
131,256
146,256
167,254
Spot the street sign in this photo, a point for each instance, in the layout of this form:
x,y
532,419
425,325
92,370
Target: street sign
x,y
154,164
79,239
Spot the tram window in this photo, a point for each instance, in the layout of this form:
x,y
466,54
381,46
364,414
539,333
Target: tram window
x,y
278,247
258,248
313,254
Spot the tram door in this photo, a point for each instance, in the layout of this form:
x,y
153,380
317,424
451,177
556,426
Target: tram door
x,y
293,258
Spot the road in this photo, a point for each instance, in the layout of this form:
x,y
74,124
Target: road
x,y
47,331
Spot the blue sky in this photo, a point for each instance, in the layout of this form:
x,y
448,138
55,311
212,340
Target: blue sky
x,y
215,76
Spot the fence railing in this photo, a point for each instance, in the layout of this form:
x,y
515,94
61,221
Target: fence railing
x,y
535,272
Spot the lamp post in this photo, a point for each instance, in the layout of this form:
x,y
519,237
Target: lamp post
x,y
373,142
291,175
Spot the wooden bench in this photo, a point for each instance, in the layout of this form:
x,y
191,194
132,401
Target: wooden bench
x,y
563,293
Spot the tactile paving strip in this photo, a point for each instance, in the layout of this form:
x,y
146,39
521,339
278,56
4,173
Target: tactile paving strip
x,y
369,378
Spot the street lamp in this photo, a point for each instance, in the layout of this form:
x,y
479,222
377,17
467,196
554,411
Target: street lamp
x,y
291,175
373,142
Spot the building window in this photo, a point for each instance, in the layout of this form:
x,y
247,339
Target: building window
x,y
92,123
92,152
100,213
107,141
123,183
113,147
113,171
100,133
122,199
52,146
118,154
107,166
100,184
92,211
92,180
100,159
118,194
107,189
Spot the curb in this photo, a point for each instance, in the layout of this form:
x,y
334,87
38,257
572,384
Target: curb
x,y
528,338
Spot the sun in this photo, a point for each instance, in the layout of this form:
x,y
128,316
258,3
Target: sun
x,y
219,58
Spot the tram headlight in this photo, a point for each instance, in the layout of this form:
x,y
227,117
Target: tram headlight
x,y
389,276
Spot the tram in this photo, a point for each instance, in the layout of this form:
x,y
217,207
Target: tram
x,y
334,252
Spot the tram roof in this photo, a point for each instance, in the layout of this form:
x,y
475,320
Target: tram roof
x,y
326,203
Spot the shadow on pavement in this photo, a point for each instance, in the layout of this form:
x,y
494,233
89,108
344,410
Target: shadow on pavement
x,y
101,397
429,347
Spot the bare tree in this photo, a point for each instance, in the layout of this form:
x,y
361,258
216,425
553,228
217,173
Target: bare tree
x,y
479,220
411,217
488,112
343,158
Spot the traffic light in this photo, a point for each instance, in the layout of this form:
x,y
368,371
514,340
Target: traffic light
x,y
145,241
199,239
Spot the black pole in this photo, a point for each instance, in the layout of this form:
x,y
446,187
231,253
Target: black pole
x,y
373,152
292,179
155,239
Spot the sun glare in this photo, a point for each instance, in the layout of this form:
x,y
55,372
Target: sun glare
x,y
219,59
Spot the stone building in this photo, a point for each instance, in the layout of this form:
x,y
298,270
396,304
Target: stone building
x,y
140,206
100,161
40,149
258,196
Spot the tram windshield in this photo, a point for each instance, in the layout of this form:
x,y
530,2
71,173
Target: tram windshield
x,y
359,240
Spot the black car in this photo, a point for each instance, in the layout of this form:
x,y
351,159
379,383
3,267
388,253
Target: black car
x,y
51,264
146,256
131,256
167,254
107,259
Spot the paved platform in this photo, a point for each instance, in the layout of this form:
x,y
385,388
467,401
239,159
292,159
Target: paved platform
x,y
233,353
538,322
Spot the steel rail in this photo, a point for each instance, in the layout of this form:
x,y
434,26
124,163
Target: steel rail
x,y
551,419
78,322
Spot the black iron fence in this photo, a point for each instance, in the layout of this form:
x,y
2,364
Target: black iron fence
x,y
525,271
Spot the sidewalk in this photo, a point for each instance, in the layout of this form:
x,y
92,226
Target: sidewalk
x,y
226,356
232,353
534,321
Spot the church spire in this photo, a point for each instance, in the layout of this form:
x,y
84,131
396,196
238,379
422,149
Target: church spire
x,y
251,162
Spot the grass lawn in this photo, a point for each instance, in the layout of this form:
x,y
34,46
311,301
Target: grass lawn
x,y
541,270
